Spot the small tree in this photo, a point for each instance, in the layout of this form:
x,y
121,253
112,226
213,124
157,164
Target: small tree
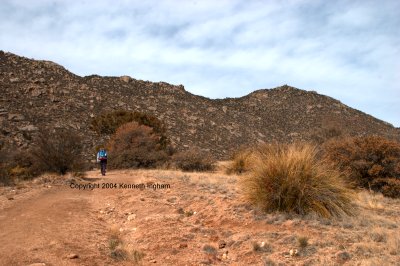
x,y
135,146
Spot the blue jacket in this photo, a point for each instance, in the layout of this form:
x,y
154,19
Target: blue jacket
x,y
101,155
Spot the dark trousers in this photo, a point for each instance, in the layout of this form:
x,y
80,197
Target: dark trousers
x,y
103,166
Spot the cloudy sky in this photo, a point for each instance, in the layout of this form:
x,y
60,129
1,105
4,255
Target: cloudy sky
x,y
349,50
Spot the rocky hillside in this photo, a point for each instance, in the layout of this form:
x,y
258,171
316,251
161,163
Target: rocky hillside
x,y
37,94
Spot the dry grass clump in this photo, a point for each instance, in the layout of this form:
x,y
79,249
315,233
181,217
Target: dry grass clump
x,y
291,178
118,251
241,162
302,241
135,146
193,160
371,162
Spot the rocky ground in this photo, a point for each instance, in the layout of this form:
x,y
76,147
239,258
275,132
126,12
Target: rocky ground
x,y
180,219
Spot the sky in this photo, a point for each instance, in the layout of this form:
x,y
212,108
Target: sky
x,y
348,50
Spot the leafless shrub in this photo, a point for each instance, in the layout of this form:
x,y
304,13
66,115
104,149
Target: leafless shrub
x,y
59,151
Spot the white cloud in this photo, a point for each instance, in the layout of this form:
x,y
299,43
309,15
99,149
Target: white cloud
x,y
346,50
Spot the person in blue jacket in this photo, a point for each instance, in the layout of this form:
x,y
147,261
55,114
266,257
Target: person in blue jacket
x,y
102,159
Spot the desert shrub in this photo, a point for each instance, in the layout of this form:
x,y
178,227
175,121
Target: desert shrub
x,y
241,162
108,123
22,165
389,187
193,160
371,162
59,151
135,146
15,165
5,177
292,178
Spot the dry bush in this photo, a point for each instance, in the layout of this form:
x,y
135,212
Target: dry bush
x,y
371,162
389,187
15,165
193,160
135,146
59,151
6,178
291,178
108,123
241,162
23,165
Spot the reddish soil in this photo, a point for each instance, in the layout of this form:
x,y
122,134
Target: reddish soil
x,y
200,219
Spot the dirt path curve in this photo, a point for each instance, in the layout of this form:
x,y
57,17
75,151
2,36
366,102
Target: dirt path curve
x,y
50,225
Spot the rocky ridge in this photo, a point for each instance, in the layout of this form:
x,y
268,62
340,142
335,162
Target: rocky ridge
x,y
36,94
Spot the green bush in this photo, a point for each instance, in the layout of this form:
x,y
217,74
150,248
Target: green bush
x,y
291,178
368,161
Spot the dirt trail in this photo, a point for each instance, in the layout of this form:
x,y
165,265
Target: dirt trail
x,y
199,219
48,226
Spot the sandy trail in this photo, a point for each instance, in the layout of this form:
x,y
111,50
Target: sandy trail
x,y
49,226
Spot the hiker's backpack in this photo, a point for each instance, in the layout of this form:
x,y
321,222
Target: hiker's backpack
x,y
102,155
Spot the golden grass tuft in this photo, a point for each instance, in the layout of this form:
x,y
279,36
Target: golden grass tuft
x,y
291,178
302,241
241,162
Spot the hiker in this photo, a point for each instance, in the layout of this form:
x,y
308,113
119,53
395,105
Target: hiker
x,y
102,159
